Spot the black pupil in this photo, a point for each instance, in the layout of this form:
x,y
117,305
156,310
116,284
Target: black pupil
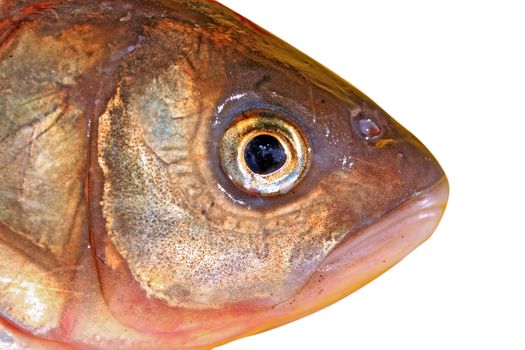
x,y
264,154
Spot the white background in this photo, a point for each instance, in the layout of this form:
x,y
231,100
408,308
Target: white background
x,y
452,72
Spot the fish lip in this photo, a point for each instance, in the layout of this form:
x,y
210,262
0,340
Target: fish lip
x,y
367,253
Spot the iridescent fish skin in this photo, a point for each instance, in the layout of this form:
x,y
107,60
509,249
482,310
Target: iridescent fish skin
x,y
127,220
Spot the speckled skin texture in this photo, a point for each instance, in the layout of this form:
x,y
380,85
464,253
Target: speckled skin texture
x,y
117,222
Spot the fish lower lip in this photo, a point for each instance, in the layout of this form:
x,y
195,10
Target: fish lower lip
x,y
368,253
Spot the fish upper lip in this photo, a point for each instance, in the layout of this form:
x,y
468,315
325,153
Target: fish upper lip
x,y
413,221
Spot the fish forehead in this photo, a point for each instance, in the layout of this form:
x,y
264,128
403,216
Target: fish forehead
x,y
154,87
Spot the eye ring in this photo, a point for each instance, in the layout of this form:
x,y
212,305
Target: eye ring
x,y
289,139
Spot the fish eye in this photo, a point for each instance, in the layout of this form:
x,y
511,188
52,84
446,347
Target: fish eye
x,y
264,154
367,128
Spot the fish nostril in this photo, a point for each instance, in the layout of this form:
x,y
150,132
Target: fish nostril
x,y
368,129
264,154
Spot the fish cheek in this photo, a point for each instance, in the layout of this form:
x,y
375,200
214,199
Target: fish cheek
x,y
145,156
172,238
168,238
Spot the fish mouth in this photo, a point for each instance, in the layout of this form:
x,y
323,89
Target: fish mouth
x,y
361,257
371,251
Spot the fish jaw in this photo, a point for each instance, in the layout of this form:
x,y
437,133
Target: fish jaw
x,y
366,254
362,257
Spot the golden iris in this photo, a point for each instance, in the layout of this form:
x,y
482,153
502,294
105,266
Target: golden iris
x,y
264,154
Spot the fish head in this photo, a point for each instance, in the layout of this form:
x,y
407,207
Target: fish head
x,y
239,185
175,177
